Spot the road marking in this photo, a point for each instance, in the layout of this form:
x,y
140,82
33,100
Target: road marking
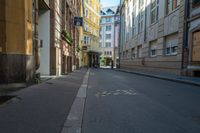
x,y
73,122
115,93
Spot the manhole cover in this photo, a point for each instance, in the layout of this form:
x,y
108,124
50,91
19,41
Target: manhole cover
x,y
4,99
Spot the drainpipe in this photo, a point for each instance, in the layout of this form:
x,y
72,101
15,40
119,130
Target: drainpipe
x,y
145,21
120,35
185,35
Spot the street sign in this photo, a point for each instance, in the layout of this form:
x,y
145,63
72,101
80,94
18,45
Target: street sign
x,y
78,21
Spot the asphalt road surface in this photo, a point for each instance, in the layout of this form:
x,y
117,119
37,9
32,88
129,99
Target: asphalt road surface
x,y
120,102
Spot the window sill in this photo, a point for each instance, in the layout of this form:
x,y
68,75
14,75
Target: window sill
x,y
171,54
172,11
153,56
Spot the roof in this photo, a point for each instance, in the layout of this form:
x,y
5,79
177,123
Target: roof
x,y
105,10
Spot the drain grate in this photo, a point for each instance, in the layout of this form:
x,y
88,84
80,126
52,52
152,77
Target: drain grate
x,y
4,99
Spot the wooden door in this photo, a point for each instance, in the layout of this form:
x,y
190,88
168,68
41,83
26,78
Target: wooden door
x,y
196,46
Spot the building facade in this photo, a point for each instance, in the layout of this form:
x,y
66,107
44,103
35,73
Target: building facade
x,y
109,34
38,37
17,65
56,36
152,35
41,35
71,54
91,33
192,39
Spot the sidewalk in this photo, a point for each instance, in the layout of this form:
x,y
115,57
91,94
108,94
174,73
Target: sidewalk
x,y
165,76
41,108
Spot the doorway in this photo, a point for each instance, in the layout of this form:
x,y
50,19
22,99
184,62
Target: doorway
x,y
196,47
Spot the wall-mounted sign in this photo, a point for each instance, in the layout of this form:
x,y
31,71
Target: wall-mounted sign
x,y
78,21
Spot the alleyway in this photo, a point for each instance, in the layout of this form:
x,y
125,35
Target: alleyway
x,y
119,102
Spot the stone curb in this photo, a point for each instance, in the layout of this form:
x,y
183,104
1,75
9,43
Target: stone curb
x,y
73,123
161,77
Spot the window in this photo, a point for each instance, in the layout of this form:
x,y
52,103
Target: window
x,y
110,52
141,22
126,54
104,52
171,45
153,49
107,52
172,5
108,44
133,56
88,40
109,12
90,16
154,10
108,19
139,51
86,13
108,28
133,25
141,16
85,40
141,3
171,49
108,36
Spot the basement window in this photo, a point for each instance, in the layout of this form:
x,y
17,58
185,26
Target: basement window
x,y
196,73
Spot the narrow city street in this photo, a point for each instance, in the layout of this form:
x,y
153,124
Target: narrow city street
x,y
120,102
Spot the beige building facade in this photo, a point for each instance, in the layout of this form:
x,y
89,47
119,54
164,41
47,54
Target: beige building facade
x,y
151,36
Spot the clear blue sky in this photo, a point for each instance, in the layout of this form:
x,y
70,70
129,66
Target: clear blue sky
x,y
110,2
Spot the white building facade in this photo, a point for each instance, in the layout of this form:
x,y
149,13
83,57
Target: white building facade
x,y
109,35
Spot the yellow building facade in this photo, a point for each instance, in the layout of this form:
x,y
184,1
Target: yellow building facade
x,y
91,32
16,45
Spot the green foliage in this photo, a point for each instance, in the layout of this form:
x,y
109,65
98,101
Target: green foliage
x,y
67,37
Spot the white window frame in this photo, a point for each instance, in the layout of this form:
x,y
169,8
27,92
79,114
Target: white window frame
x,y
108,20
108,28
170,46
108,37
170,8
152,48
154,9
141,16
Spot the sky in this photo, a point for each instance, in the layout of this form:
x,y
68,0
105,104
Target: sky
x,y
106,3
